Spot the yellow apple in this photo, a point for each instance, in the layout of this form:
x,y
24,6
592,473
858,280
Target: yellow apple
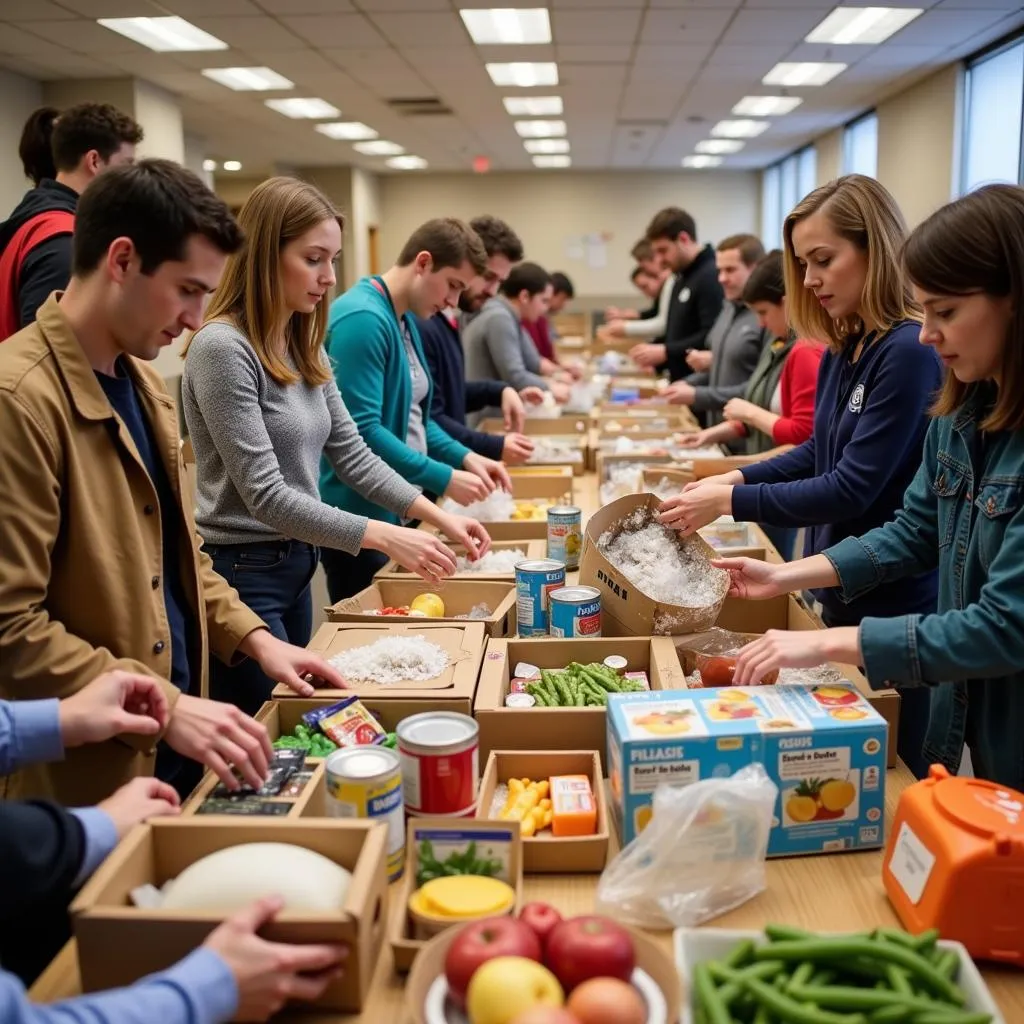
x,y
506,986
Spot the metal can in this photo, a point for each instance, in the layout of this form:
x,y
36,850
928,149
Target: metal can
x,y
439,752
565,534
536,578
616,662
520,700
576,611
366,782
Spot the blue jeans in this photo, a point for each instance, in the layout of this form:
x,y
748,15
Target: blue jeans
x,y
348,574
272,578
783,537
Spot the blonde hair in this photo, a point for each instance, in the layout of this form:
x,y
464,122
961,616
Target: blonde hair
x,y
278,211
864,213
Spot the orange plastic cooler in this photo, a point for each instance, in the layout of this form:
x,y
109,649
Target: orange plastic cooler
x,y
955,861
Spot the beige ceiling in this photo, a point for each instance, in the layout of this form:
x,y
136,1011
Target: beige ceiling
x,y
642,80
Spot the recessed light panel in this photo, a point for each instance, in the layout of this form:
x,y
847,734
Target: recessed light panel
x,y
351,131
745,128
864,25
379,147
407,163
552,161
766,106
533,106
702,161
232,165
164,35
803,73
523,75
540,129
719,146
304,107
546,145
508,26
248,79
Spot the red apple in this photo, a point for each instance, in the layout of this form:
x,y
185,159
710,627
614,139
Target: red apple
x,y
484,940
589,947
541,917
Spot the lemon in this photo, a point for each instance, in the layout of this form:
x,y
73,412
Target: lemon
x,y
429,604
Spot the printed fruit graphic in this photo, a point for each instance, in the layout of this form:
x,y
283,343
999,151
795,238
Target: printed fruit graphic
x,y
572,544
643,817
820,800
801,808
508,986
428,604
837,795
848,714
832,696
666,723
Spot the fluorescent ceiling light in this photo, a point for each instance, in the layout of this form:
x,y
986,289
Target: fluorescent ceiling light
x,y
164,34
864,25
552,161
303,107
701,161
504,26
232,165
379,147
803,73
540,129
742,129
523,75
546,145
533,106
766,106
209,165
407,163
718,146
248,79
349,130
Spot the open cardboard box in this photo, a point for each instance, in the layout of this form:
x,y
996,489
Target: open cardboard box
x,y
280,717
554,425
119,943
459,596
605,461
713,467
452,690
530,549
543,853
551,482
402,934
310,803
538,728
577,440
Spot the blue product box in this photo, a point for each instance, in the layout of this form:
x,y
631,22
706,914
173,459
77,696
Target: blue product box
x,y
823,746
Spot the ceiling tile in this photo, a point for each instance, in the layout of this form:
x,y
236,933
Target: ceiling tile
x,y
33,10
42,36
113,8
84,36
788,26
371,6
652,53
764,54
297,7
336,30
590,27
642,103
198,61
620,53
970,5
190,9
439,29
683,27
591,5
293,64
947,25
577,75
392,84
259,31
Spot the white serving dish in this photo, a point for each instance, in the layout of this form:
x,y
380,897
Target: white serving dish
x,y
696,945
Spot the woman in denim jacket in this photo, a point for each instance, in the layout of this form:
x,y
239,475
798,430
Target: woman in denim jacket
x,y
964,512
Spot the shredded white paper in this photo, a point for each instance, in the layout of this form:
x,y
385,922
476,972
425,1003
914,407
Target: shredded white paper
x,y
498,563
820,675
498,506
547,449
391,660
625,478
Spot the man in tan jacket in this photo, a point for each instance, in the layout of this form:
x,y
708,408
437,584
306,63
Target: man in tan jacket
x,y
100,565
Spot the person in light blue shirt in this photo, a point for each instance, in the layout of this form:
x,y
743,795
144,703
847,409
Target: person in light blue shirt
x,y
234,973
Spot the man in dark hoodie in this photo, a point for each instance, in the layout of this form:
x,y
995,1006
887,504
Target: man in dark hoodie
x,y
35,241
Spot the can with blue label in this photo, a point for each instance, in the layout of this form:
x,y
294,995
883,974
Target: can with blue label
x,y
565,535
536,578
576,612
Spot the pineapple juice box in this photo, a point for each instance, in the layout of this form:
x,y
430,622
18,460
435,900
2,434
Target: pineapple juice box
x,y
823,746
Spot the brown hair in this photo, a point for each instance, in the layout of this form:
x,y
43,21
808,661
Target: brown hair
x,y
89,126
670,223
766,282
749,247
450,243
498,238
278,211
642,252
974,245
36,145
864,213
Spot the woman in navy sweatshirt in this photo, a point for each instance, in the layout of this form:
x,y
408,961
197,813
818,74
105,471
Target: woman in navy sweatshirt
x,y
875,385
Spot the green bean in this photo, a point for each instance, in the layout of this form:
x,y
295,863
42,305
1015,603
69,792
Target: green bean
x,y
733,979
891,1015
581,697
895,935
793,1012
762,1016
740,955
952,1017
801,976
851,998
898,980
823,976
948,964
925,942
783,933
709,997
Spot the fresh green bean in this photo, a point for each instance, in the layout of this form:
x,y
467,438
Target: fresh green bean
x,y
732,988
784,933
898,980
740,955
891,1015
852,999
581,697
801,976
956,1017
948,964
925,942
762,1016
793,1012
709,997
823,976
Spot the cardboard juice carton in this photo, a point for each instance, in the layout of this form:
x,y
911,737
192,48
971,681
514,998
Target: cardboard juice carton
x,y
823,746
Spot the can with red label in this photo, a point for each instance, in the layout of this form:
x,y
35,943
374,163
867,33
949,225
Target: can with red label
x,y
576,612
439,751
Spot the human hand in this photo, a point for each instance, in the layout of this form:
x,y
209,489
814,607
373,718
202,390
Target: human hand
x,y
561,391
113,703
731,479
699,360
516,448
739,409
679,393
648,355
419,551
574,370
138,801
465,488
513,410
689,511
532,395
297,668
694,439
751,578
614,328
268,974
219,735
493,473
467,532
795,649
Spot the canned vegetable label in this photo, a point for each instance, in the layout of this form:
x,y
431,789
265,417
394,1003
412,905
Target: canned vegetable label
x,y
565,535
440,762
576,612
535,580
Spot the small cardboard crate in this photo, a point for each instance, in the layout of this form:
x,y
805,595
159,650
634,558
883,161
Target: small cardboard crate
x,y
540,426
310,803
452,690
543,853
553,483
604,462
625,610
280,717
402,929
529,548
541,728
119,943
677,476
572,440
459,597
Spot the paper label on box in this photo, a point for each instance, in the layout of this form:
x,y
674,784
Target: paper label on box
x,y
911,864
645,778
490,852
667,720
803,764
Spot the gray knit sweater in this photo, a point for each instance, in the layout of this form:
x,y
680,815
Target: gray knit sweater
x,y
258,446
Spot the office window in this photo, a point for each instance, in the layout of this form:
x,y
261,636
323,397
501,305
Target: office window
x,y
771,221
994,111
807,170
783,185
860,146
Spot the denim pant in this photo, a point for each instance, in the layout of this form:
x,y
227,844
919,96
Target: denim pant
x,y
348,574
272,578
783,537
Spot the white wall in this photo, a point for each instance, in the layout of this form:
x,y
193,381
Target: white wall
x,y
158,112
551,211
364,212
20,97
195,153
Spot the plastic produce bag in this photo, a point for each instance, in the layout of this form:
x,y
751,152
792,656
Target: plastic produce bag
x,y
701,854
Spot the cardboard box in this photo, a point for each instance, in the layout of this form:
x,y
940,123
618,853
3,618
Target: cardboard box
x,y
119,943
452,690
551,482
712,467
459,597
543,853
635,420
505,844
554,426
676,477
280,717
537,728
604,462
529,548
310,803
578,441
826,755
625,609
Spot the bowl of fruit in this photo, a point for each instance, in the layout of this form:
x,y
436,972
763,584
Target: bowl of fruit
x,y
539,968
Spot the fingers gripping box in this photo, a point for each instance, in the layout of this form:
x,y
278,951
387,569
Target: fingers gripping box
x,y
823,746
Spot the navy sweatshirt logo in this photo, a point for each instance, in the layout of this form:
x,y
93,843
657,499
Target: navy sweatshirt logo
x,y
857,399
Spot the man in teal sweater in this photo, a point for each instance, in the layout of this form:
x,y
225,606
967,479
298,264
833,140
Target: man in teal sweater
x,y
375,350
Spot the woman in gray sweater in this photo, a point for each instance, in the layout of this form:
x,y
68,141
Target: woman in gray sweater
x,y
263,409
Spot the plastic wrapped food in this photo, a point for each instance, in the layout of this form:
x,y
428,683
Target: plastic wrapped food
x,y
713,655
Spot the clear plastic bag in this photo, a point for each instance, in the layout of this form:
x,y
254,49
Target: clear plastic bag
x,y
701,854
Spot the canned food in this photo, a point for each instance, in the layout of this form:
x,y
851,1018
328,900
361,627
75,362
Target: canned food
x,y
536,578
366,782
616,662
565,535
576,611
520,700
439,751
